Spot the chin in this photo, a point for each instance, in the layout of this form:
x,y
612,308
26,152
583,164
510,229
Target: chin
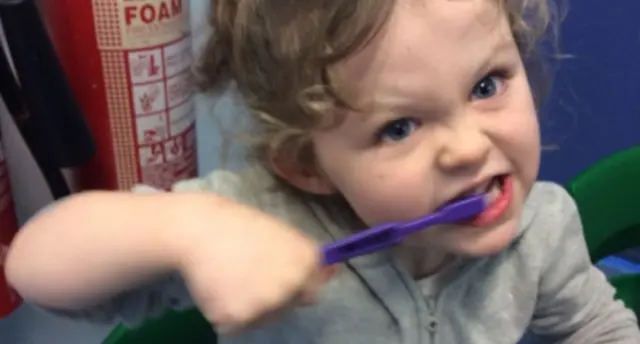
x,y
486,241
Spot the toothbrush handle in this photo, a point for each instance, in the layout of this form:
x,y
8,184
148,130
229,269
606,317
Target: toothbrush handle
x,y
390,234
362,243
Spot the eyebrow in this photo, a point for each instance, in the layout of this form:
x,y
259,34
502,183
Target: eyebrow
x,y
500,47
379,112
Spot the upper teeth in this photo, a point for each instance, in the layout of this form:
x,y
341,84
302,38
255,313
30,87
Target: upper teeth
x,y
484,188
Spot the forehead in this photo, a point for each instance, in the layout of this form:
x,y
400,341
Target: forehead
x,y
427,40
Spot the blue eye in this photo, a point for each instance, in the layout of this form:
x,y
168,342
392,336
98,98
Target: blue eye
x,y
488,87
398,129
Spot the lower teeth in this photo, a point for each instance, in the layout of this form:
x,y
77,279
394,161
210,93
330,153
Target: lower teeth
x,y
495,183
499,182
495,189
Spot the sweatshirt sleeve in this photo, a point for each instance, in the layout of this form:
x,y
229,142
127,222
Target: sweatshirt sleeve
x,y
576,303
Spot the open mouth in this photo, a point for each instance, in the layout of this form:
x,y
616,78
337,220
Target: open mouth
x,y
492,188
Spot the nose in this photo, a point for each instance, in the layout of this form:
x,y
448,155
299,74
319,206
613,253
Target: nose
x,y
464,147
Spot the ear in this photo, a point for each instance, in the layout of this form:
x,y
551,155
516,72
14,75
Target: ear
x,y
307,177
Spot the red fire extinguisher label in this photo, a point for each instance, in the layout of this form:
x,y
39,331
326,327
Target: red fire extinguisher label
x,y
9,300
145,48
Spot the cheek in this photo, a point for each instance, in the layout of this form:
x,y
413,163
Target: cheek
x,y
381,191
521,138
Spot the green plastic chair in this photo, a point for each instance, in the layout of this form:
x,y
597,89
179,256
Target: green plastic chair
x,y
606,195
174,327
607,198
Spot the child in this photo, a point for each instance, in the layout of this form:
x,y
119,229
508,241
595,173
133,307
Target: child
x,y
368,111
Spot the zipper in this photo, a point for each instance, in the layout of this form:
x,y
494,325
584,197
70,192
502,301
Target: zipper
x,y
432,320
433,302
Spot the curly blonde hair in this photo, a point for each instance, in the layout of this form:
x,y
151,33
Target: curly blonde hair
x,y
278,53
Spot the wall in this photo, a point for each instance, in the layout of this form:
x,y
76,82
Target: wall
x,y
594,111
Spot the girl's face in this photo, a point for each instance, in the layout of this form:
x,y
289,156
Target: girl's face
x,y
446,109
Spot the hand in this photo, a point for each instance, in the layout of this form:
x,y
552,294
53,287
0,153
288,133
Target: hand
x,y
242,266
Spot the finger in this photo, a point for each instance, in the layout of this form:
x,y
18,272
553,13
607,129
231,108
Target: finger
x,y
309,295
328,273
261,321
305,298
224,330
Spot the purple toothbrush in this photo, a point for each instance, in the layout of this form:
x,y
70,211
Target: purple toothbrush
x,y
389,234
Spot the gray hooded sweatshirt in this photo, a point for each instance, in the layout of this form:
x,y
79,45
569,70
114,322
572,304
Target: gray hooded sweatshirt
x,y
543,282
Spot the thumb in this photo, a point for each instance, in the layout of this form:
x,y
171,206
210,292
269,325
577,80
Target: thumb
x,y
327,273
323,276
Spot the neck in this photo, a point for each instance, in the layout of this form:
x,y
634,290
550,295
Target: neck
x,y
422,262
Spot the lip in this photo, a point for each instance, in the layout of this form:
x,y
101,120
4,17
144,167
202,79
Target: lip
x,y
497,209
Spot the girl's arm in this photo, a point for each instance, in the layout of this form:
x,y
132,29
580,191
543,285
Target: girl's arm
x,y
96,244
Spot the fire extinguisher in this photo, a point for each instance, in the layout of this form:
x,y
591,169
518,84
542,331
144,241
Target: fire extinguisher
x,y
129,66
9,300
